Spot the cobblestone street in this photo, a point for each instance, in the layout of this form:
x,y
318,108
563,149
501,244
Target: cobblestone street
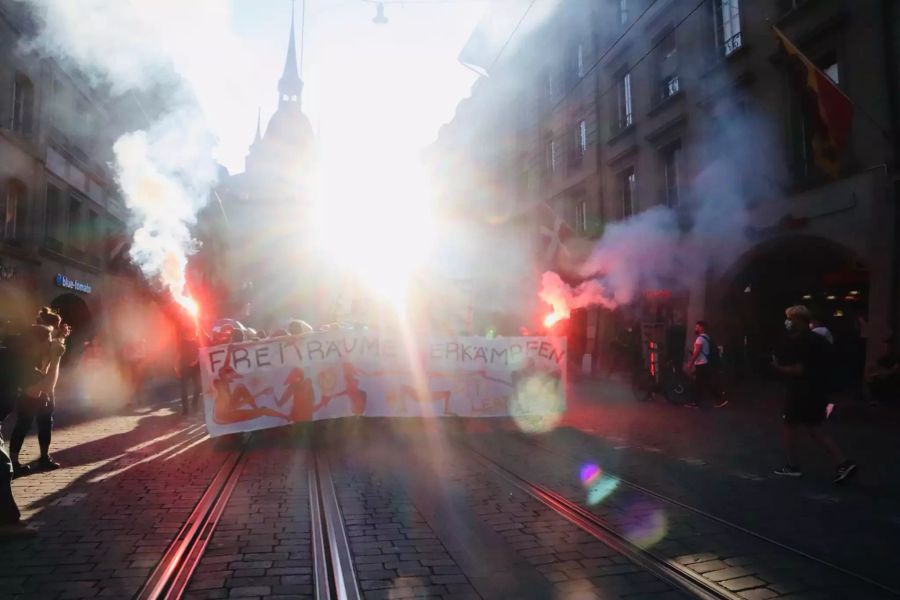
x,y
447,509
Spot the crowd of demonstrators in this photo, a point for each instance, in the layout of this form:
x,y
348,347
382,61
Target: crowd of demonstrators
x,y
30,372
804,361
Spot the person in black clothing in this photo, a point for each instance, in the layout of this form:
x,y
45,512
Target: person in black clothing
x,y
189,371
804,361
18,356
883,380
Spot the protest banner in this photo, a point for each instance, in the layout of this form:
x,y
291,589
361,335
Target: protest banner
x,y
274,382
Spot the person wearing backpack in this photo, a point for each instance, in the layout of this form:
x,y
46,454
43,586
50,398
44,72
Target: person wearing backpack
x,y
705,365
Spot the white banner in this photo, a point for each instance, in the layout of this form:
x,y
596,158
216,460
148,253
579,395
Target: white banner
x,y
273,382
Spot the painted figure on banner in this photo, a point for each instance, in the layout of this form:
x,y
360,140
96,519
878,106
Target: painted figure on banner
x,y
328,383
233,402
300,390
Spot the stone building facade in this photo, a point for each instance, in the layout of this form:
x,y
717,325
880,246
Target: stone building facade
x,y
63,218
605,109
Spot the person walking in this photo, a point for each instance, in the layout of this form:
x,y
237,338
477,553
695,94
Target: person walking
x,y
37,398
818,327
804,362
704,366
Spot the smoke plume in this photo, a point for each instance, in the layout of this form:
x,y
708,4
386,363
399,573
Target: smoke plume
x,y
174,53
672,248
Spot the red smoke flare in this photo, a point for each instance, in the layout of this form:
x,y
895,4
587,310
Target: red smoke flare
x,y
189,305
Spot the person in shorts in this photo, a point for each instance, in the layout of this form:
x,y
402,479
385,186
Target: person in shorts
x,y
37,399
804,362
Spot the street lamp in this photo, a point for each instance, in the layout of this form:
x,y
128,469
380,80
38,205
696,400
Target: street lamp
x,y
380,19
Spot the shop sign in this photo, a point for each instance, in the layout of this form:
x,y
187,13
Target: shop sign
x,y
71,284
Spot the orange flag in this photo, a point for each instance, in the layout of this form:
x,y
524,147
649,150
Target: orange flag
x,y
833,110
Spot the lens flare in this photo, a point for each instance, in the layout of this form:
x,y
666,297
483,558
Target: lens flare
x,y
648,525
538,404
598,484
589,474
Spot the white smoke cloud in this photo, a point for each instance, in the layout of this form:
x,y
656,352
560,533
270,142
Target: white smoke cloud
x,y
183,52
654,249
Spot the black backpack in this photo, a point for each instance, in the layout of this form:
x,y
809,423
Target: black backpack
x,y
714,360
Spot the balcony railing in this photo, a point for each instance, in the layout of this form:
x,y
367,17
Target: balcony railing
x,y
732,44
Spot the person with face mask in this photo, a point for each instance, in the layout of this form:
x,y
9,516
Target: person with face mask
x,y
804,362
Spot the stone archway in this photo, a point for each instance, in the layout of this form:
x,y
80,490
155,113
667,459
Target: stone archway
x,y
799,269
75,311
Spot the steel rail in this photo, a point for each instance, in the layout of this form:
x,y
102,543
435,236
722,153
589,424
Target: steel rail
x,y
335,577
672,572
697,511
172,574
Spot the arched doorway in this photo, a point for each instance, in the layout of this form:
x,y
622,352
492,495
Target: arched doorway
x,y
821,274
74,311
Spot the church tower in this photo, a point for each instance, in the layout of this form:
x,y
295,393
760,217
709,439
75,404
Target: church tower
x,y
286,150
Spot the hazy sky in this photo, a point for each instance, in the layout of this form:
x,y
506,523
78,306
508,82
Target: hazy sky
x,y
365,84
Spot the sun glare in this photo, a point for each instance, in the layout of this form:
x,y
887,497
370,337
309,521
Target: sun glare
x,y
374,220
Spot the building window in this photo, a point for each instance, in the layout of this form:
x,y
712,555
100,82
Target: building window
x,y
623,12
93,236
671,163
830,68
74,231
14,225
627,181
23,105
626,115
581,137
728,26
552,157
550,86
54,227
803,128
669,84
580,67
580,215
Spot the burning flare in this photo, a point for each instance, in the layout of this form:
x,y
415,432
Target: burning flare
x,y
189,305
555,317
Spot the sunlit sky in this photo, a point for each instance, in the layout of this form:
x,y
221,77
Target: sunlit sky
x,y
364,83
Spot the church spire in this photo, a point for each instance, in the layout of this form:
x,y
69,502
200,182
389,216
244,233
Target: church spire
x,y
258,137
290,86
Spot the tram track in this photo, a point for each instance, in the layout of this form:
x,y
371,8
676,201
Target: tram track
x,y
334,576
677,574
170,579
